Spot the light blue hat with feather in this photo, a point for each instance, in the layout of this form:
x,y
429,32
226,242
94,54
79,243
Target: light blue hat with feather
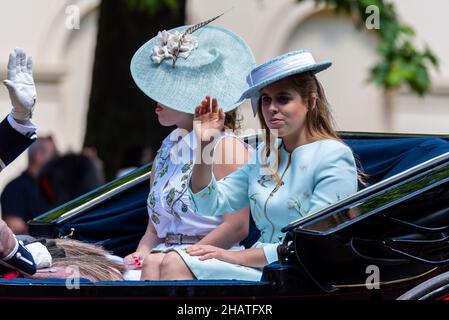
x,y
179,68
278,68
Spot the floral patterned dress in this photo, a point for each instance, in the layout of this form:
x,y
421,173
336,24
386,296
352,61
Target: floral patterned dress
x,y
314,176
169,203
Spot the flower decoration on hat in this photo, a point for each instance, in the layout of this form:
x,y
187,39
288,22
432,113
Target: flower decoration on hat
x,y
175,45
170,46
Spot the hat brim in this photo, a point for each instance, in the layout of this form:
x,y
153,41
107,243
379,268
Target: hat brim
x,y
217,68
254,91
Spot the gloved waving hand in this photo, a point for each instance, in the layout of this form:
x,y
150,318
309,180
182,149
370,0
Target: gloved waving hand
x,y
20,84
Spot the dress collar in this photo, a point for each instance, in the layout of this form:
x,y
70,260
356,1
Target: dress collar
x,y
181,136
181,146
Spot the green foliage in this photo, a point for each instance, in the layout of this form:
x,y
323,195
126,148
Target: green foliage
x,y
153,6
402,63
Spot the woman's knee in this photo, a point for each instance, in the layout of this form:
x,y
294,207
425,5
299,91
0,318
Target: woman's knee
x,y
171,260
153,261
173,267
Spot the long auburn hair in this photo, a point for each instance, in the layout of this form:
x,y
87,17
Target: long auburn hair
x,y
232,120
319,121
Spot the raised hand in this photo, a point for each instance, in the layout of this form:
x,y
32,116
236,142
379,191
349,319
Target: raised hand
x,y
208,122
20,84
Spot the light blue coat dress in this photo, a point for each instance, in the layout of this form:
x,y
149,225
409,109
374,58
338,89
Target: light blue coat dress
x,y
314,176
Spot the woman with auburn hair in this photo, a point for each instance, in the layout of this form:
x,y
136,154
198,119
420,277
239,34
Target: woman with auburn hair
x,y
302,171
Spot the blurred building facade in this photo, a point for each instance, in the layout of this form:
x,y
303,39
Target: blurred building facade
x,y
63,59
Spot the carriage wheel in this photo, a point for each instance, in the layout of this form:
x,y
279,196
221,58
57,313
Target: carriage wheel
x,y
436,288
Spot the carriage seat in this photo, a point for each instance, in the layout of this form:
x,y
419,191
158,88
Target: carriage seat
x,y
382,158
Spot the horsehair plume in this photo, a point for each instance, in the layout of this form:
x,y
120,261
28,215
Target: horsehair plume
x,y
93,268
191,30
92,260
74,248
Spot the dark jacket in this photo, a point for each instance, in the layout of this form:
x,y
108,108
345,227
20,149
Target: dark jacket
x,y
12,143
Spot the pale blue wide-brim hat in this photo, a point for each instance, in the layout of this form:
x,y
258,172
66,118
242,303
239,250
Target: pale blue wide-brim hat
x,y
217,67
278,68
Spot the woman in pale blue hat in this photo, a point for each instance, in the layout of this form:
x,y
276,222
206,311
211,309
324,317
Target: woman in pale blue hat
x,y
178,69
306,169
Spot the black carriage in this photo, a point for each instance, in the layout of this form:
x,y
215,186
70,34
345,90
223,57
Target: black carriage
x,y
389,240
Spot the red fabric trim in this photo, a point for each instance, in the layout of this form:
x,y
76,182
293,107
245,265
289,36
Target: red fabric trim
x,y
11,275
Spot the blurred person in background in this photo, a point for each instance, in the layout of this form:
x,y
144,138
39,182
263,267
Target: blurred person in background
x,y
20,198
66,178
133,158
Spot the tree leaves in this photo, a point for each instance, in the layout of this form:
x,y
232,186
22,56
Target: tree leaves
x,y
401,63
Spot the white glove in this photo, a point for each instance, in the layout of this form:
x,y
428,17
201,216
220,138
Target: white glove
x,y
41,255
20,84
